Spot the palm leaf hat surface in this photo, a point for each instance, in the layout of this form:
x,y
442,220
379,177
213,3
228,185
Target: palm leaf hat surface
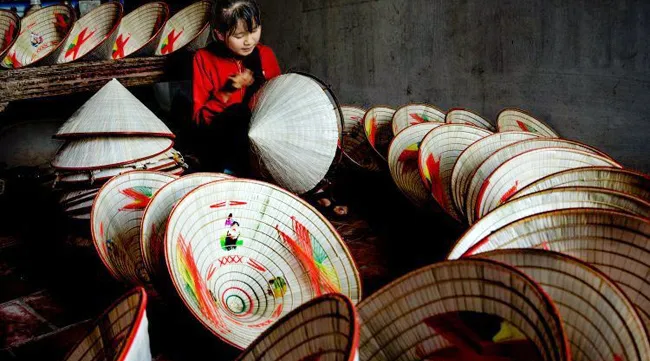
x,y
9,30
468,117
412,114
512,119
140,30
187,29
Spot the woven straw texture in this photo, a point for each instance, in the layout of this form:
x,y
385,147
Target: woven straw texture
x,y
403,162
189,27
518,120
355,145
9,30
93,36
71,197
412,114
113,110
528,167
406,319
545,201
616,243
140,30
472,157
600,321
295,131
41,35
378,129
439,151
243,253
154,220
468,117
121,333
622,180
116,218
97,152
325,328
504,154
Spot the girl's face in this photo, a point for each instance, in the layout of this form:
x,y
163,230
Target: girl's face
x,y
241,41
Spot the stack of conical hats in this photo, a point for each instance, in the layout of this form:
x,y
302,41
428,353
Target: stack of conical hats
x,y
113,132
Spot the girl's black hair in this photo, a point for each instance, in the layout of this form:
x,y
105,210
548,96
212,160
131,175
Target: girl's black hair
x,y
227,13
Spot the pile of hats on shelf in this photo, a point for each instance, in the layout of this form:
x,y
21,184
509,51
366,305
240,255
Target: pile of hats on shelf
x,y
112,133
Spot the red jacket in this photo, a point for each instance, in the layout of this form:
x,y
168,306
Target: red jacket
x,y
210,75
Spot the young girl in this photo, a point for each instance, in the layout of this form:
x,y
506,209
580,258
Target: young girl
x,y
226,75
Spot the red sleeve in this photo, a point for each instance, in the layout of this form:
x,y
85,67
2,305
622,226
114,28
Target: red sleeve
x,y
270,63
205,105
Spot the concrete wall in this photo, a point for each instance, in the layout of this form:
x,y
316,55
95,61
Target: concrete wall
x,y
583,66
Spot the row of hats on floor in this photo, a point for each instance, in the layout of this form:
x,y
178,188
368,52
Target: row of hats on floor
x,y
52,36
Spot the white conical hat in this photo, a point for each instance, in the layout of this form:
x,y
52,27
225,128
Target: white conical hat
x,y
378,129
355,145
468,117
94,153
529,167
411,114
545,201
323,328
511,119
603,323
140,30
121,333
9,30
189,27
504,154
295,131
443,310
93,36
113,110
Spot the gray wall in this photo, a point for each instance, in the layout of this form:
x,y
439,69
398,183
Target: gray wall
x,y
583,66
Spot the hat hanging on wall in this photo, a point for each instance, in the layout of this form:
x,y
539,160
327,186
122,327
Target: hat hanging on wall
x,y
140,30
403,162
378,129
93,36
188,28
9,30
411,114
121,333
472,157
323,328
468,117
545,201
596,311
243,253
42,35
116,218
506,153
355,145
512,119
438,154
295,131
461,310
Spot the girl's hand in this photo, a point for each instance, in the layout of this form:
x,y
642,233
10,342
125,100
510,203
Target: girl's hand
x,y
242,80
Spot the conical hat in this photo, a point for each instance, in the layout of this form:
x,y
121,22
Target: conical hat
x,y
403,161
355,145
121,333
323,328
41,36
622,180
116,218
98,152
472,157
438,154
528,167
468,117
616,243
448,309
545,201
190,26
411,114
243,253
93,36
113,110
378,129
140,30
512,119
506,153
9,30
601,322
295,131
72,197
154,220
